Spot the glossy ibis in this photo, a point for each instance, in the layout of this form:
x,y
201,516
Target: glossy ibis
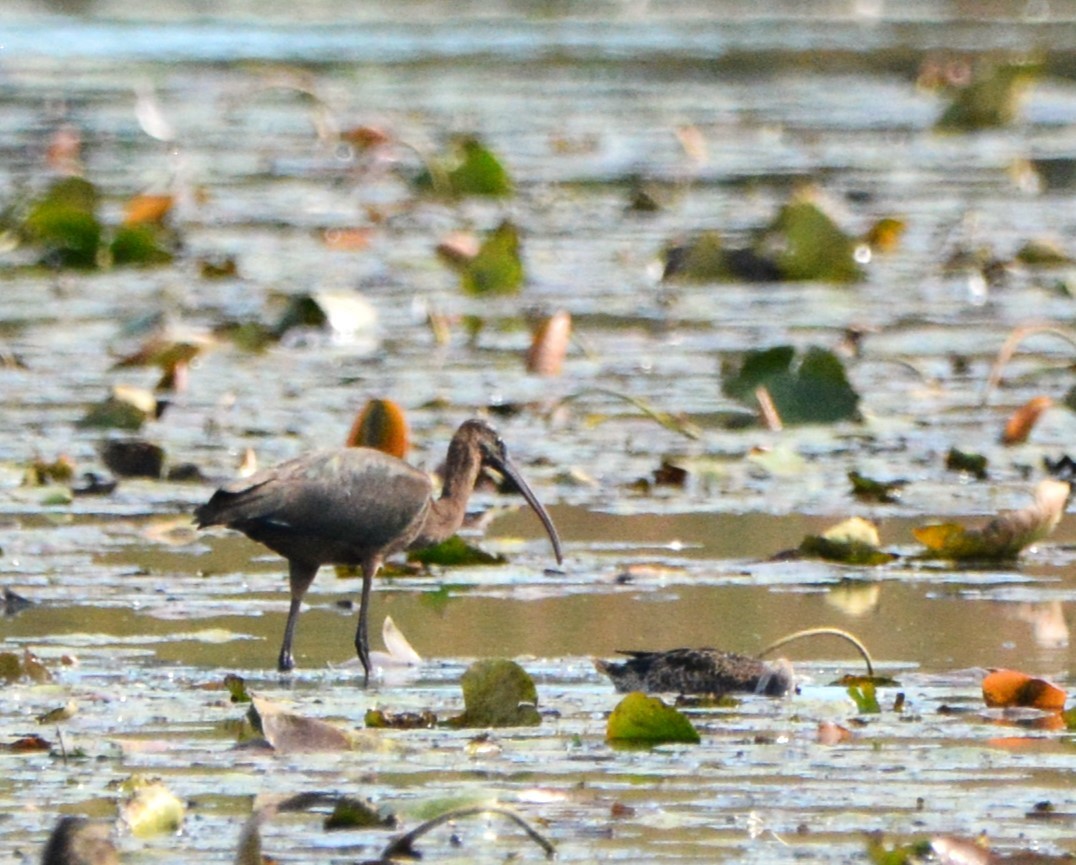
x,y
356,506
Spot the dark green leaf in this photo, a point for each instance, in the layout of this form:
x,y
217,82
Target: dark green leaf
x,y
469,168
973,464
454,551
65,223
814,391
138,244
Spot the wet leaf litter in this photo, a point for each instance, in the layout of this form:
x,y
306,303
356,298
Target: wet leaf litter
x,y
305,255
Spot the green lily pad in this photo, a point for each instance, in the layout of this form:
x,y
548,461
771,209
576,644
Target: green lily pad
x,y
648,720
498,267
65,223
498,693
851,542
468,168
138,244
813,390
990,101
454,551
807,244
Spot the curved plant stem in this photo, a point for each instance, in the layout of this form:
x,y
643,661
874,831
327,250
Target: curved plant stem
x,y
685,427
1008,349
402,846
824,632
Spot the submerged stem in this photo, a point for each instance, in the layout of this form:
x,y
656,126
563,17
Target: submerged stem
x,y
402,846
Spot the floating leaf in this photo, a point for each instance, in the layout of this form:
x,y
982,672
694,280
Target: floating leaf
x,y
991,100
60,714
64,221
700,259
377,719
1020,423
830,733
41,473
454,552
813,390
865,697
288,733
852,542
237,688
1042,253
1010,688
341,313
884,236
347,239
905,854
133,458
550,344
139,244
151,809
351,813
1005,535
806,244
959,461
468,168
126,408
498,693
648,720
497,267
869,489
381,424
147,208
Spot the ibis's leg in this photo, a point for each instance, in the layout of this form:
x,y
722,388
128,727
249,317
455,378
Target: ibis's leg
x,y
300,576
362,642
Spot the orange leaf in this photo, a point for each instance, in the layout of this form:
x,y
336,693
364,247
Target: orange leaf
x,y
147,208
382,425
347,239
550,344
1008,688
1021,421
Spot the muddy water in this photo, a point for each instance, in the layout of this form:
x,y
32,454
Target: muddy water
x,y
580,100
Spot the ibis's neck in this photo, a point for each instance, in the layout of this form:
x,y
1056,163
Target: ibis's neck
x,y
446,513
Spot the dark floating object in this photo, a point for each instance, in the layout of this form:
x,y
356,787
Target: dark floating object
x,y
78,841
357,506
712,671
15,603
698,671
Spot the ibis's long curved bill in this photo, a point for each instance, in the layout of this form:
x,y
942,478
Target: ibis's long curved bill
x,y
507,468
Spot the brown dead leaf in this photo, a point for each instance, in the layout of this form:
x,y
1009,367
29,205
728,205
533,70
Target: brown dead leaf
x,y
1010,688
382,425
1020,422
550,344
288,733
1005,535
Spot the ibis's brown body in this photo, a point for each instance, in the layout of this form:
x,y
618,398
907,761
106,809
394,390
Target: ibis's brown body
x,y
356,506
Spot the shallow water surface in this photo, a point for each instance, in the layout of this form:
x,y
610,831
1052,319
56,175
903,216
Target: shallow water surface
x,y
140,617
